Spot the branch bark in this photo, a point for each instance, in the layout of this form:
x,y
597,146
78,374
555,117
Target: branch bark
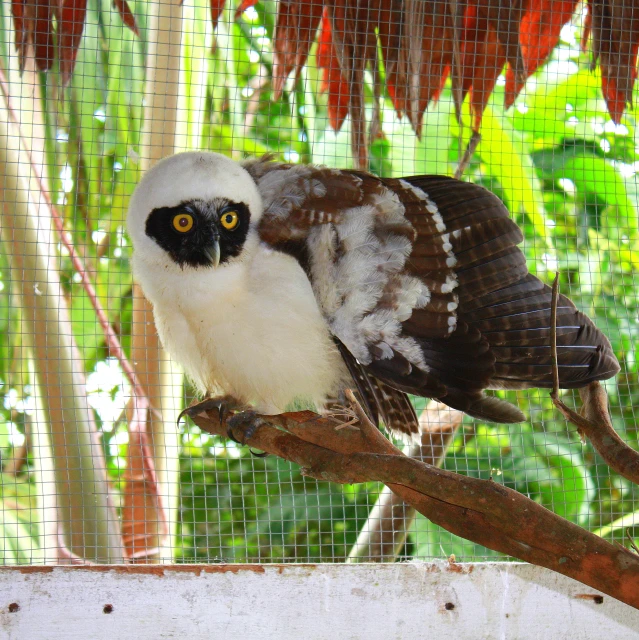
x,y
480,510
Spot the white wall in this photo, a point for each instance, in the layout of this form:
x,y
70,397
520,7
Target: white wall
x,y
306,602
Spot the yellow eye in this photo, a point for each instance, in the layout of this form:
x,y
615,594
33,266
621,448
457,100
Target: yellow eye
x,y
230,220
183,222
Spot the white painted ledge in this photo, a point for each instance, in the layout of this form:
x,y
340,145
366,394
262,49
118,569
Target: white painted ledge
x,y
306,602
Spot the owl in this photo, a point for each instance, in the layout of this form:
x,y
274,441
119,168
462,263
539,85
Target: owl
x,y
278,284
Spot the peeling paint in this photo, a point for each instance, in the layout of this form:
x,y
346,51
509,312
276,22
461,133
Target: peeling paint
x,y
139,569
162,570
595,597
454,567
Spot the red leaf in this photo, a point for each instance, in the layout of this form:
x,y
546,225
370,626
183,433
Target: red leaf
x,y
505,17
389,27
43,35
539,35
615,100
541,27
297,23
127,15
332,80
490,61
482,60
615,42
427,52
20,21
244,5
70,26
217,7
144,526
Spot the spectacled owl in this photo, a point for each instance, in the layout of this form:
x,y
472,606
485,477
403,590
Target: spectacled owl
x,y
273,282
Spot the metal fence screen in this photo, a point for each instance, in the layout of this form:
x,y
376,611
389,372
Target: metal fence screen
x,y
529,99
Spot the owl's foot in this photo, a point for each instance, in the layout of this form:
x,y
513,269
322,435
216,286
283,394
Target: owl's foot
x,y
346,415
221,405
247,422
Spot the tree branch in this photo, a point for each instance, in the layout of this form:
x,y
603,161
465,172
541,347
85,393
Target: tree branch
x,y
594,420
479,510
471,147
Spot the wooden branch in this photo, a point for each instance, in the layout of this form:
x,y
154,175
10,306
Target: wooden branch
x,y
594,420
471,147
482,511
384,533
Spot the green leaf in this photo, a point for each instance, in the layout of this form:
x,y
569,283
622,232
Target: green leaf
x,y
554,99
86,327
626,521
596,179
507,159
433,541
431,152
334,149
569,489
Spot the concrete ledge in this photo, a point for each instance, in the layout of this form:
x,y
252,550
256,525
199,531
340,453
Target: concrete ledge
x,y
306,602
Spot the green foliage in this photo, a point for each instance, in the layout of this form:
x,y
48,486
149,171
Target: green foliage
x,y
18,531
235,508
563,168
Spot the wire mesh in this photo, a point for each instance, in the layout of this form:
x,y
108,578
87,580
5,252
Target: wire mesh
x,y
83,117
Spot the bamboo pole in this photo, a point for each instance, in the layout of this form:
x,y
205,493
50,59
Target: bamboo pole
x,y
47,515
86,514
161,379
28,92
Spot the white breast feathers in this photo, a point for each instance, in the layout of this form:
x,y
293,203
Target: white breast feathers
x,y
251,329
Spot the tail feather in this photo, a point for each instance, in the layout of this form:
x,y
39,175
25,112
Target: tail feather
x,y
478,405
382,400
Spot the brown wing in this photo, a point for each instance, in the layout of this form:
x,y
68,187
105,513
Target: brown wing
x,y
422,282
502,336
380,399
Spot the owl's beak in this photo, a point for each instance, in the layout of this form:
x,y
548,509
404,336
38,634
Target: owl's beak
x,y
212,251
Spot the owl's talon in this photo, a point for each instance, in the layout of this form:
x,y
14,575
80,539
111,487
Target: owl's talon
x,y
223,405
249,422
181,415
230,436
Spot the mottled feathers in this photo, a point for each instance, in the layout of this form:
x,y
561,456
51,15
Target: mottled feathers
x,y
425,290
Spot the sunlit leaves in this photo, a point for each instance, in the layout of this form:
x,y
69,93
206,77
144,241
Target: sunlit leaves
x,y
506,155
